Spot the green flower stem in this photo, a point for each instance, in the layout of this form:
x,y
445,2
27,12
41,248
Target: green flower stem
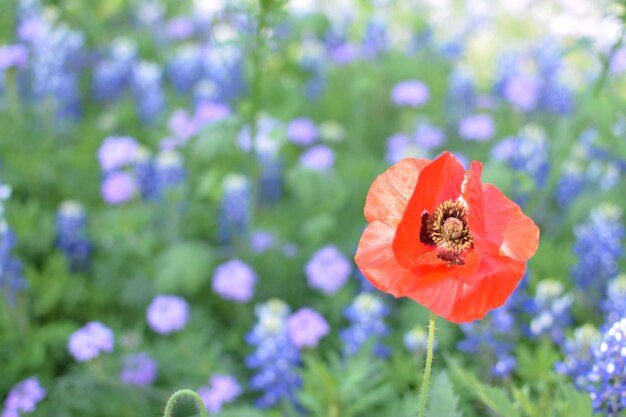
x,y
169,407
256,59
429,362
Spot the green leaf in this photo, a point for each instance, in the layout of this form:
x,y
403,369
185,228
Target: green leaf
x,y
532,363
184,268
496,399
574,403
443,401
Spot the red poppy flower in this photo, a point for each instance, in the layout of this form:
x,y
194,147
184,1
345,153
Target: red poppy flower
x,y
436,234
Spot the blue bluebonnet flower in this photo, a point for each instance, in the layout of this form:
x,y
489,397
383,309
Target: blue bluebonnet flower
x,y
270,136
411,93
306,327
607,378
416,339
319,158
527,153
111,75
144,170
313,60
366,315
275,357
55,64
222,389
495,336
598,249
234,216
223,64
614,305
271,178
461,96
139,369
570,184
72,236
531,81
550,310
328,270
618,63
90,341
401,146
23,398
147,89
156,176
185,68
167,314
11,270
577,354
234,280
477,127
375,39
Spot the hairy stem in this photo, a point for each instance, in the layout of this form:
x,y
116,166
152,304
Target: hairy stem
x,y
169,407
429,362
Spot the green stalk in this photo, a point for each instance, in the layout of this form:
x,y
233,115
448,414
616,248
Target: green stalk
x,y
255,99
429,362
169,407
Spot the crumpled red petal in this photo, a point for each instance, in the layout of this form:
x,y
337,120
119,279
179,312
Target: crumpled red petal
x,y
508,229
376,260
438,182
391,191
464,299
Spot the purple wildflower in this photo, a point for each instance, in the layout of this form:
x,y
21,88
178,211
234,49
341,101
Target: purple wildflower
x,y
413,93
182,125
320,158
117,188
23,397
522,92
116,152
139,369
306,327
167,314
222,389
478,127
234,280
302,131
90,340
261,241
209,112
179,28
428,136
13,56
328,270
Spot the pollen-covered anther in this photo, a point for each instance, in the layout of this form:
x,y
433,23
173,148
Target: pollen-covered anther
x,y
447,229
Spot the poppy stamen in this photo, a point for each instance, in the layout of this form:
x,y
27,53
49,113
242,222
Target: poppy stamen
x,y
447,229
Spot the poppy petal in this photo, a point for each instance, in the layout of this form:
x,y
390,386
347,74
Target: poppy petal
x,y
377,261
438,182
463,300
391,191
472,193
507,228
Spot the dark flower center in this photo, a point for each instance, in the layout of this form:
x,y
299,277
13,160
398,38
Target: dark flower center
x,y
447,230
